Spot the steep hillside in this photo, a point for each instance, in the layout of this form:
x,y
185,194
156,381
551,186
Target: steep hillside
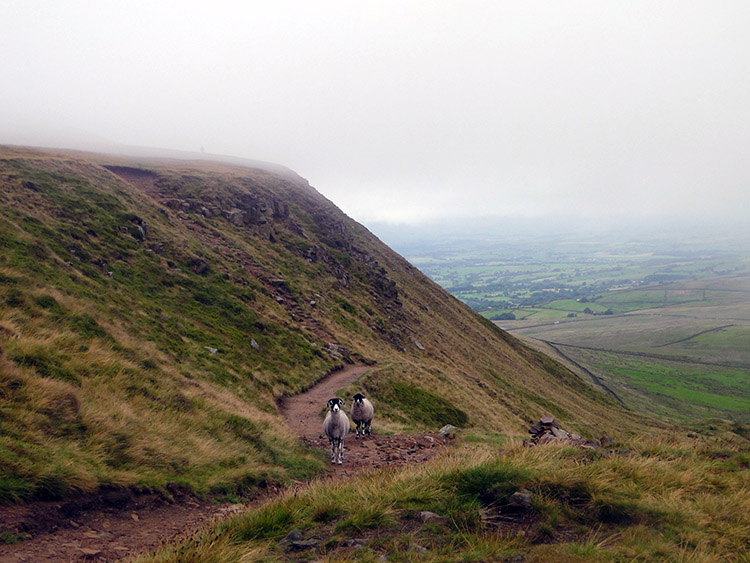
x,y
153,312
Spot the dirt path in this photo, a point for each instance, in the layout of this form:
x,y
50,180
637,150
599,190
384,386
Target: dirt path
x,y
300,411
302,415
102,528
120,525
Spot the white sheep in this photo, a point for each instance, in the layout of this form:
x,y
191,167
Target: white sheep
x,y
336,427
362,414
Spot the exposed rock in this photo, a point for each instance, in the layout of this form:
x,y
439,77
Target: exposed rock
x,y
521,499
447,430
339,352
198,266
547,431
294,535
427,516
139,233
209,212
254,344
235,216
211,350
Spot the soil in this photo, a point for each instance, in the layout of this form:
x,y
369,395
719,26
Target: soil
x,y
120,524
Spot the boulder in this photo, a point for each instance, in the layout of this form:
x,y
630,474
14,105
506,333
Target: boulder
x,y
235,216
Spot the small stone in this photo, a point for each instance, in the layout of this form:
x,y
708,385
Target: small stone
x,y
521,499
447,430
427,516
89,553
293,536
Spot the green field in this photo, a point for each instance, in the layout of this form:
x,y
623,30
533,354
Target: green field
x,y
679,350
660,320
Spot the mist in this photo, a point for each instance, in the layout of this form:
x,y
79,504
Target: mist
x,y
405,113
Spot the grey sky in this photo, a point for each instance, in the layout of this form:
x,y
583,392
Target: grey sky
x,y
405,111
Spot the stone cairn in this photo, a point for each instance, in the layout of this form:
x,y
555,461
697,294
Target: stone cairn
x,y
548,431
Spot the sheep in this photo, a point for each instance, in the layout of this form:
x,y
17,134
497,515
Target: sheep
x,y
336,427
362,414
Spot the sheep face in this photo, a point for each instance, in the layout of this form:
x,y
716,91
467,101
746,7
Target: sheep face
x,y
335,404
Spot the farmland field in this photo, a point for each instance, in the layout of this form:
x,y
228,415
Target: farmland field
x,y
681,351
661,322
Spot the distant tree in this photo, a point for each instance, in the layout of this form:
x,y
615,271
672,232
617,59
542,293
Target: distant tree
x,y
503,317
609,312
588,311
571,315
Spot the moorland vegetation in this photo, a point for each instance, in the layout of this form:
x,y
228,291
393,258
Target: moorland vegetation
x,y
153,313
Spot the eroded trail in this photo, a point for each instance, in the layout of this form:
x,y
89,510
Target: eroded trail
x,y
120,525
302,413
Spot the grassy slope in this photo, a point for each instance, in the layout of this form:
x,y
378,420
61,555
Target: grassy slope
x,y
668,497
113,295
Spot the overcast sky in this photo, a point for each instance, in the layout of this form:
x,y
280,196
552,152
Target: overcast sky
x,y
404,110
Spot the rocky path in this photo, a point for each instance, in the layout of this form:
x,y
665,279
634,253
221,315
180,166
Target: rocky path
x,y
120,525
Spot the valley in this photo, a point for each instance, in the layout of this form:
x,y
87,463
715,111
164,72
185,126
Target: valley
x,y
662,323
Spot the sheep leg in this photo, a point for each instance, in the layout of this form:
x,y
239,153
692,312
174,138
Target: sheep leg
x,y
341,451
358,426
367,430
333,451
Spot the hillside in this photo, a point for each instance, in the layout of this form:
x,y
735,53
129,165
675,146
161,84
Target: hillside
x,y
153,312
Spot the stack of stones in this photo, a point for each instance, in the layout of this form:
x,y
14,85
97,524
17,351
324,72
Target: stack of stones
x,y
547,430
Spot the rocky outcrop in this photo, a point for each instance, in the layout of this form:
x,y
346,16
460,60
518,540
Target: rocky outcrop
x,y
547,430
